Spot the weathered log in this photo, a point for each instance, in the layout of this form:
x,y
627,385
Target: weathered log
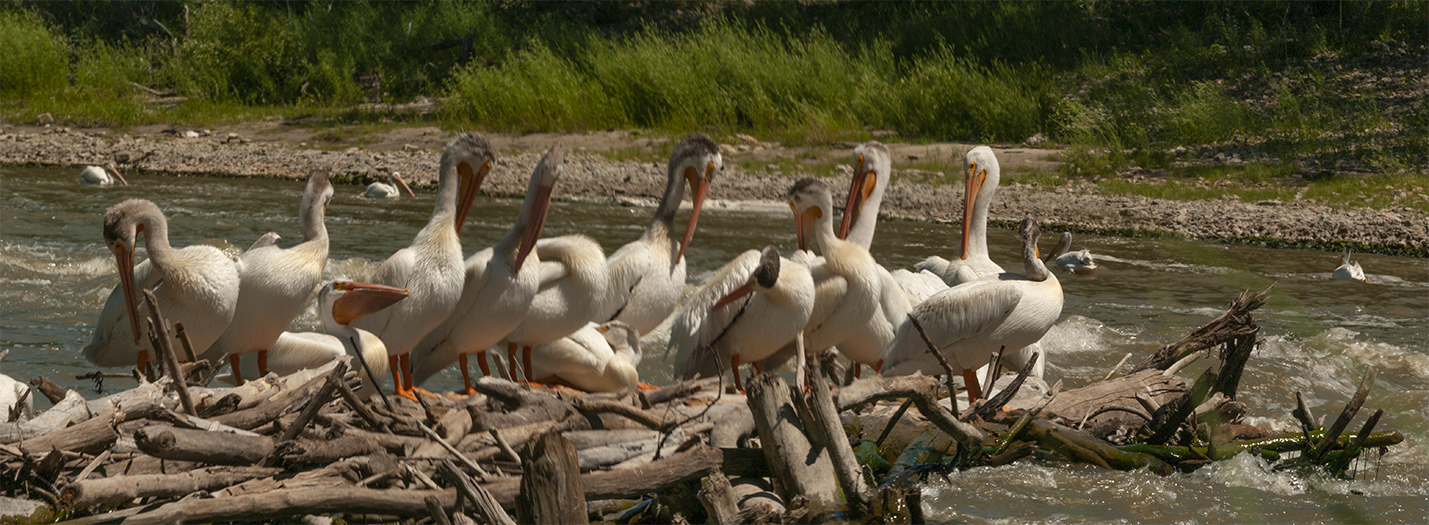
x,y
93,435
94,493
434,507
593,407
328,390
219,448
744,463
1076,404
694,463
325,451
486,505
1080,446
1351,408
827,425
551,490
296,502
51,390
453,426
917,387
70,409
802,469
717,496
1235,322
273,407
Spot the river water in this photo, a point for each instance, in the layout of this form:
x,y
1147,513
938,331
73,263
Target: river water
x,y
1319,335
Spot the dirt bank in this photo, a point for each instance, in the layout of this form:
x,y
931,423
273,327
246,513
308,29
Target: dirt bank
x,y
753,172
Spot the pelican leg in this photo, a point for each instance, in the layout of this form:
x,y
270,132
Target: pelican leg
x,y
526,362
857,369
481,361
974,389
466,376
142,364
406,361
237,372
262,363
734,367
394,363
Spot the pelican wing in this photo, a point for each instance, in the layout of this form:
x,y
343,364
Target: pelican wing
x,y
268,239
919,286
395,271
628,266
696,325
950,317
829,291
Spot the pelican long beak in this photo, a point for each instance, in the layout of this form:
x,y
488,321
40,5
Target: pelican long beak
x,y
974,185
115,173
124,259
470,184
533,231
364,299
858,193
404,185
804,224
735,295
698,187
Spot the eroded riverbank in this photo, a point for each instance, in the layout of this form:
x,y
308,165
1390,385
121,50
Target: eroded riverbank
x,y
750,177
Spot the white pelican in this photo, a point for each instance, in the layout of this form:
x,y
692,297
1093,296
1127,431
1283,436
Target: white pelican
x,y
10,393
1349,271
105,175
276,281
572,288
647,276
339,303
196,286
982,174
431,268
389,189
872,170
748,310
596,358
968,323
848,285
501,281
1079,262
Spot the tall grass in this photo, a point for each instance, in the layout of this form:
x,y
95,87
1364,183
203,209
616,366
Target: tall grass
x,y
34,56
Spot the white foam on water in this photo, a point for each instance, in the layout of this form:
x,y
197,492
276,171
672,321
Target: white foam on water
x,y
1252,472
1384,356
1077,334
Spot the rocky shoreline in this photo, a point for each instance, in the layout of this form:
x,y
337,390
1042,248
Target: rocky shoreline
x,y
414,152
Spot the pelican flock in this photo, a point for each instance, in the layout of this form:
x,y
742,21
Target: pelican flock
x,y
568,314
105,175
390,189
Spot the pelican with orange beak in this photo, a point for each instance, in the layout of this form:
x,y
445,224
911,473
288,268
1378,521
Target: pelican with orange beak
x,y
105,175
499,285
647,276
982,174
431,269
199,287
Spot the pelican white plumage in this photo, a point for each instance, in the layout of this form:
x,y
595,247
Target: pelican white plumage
x,y
981,176
1349,271
572,288
647,276
105,175
714,326
596,358
968,323
872,170
389,189
501,281
277,280
11,394
199,287
848,285
339,303
1079,262
431,268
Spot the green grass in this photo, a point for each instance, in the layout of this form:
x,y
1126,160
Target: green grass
x,y
1254,183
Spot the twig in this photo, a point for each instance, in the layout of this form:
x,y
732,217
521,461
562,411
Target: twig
x,y
183,336
308,412
94,464
159,339
485,504
994,369
990,407
1303,415
933,349
893,421
453,450
505,446
1351,408
1117,367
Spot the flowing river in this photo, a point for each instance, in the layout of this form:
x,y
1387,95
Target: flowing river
x,y
1318,335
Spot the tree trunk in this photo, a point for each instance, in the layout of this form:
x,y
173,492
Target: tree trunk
x,y
802,470
551,490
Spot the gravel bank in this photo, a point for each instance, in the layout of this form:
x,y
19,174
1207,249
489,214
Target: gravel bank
x,y
414,152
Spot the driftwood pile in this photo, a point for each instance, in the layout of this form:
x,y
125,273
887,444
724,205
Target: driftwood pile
x,y
170,451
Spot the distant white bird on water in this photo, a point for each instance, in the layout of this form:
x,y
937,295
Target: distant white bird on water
x,y
970,322
389,189
1349,271
105,175
1079,262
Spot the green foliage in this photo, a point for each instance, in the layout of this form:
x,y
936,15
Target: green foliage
x,y
34,56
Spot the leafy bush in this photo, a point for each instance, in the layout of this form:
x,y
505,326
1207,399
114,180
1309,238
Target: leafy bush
x,y
35,57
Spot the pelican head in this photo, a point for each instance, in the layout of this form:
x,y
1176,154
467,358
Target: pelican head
x,y
396,180
765,275
871,169
1029,233
623,340
982,173
811,201
343,302
697,159
122,225
465,162
543,181
114,170
318,192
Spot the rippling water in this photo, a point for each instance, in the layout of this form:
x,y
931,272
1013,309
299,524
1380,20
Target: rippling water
x,y
1319,334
